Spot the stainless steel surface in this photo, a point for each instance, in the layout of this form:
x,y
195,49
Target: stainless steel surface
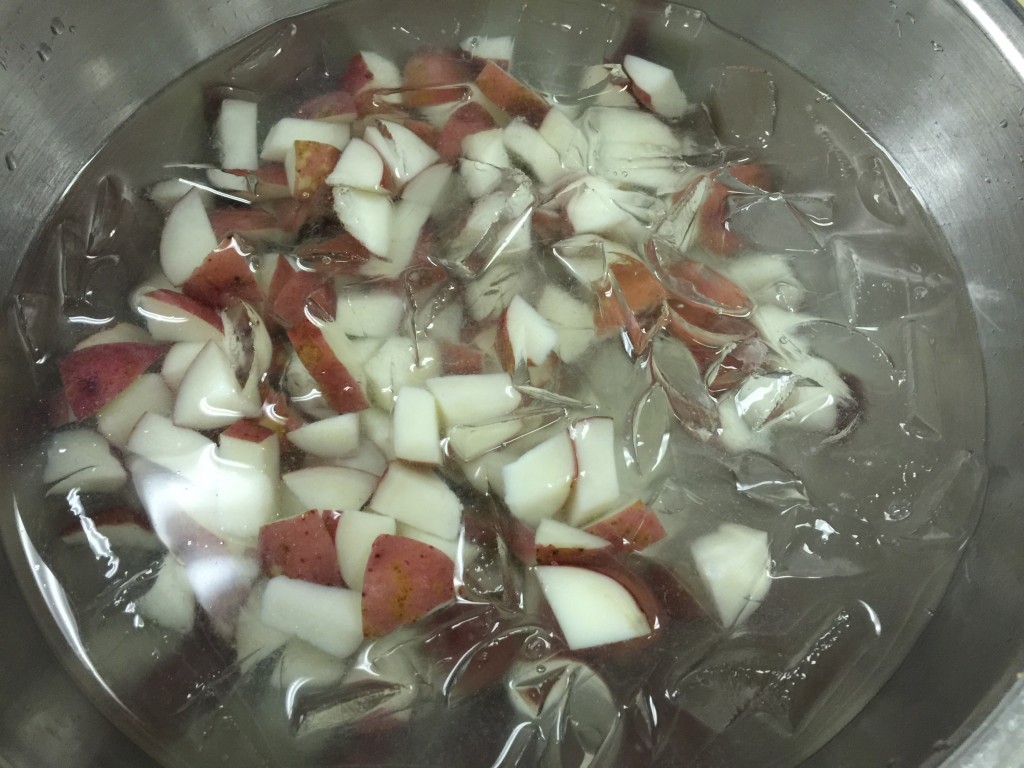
x,y
940,83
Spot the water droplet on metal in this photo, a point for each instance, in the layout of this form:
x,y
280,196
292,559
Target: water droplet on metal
x,y
57,26
44,52
11,161
876,192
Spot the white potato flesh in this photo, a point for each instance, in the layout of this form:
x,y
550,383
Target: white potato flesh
x,y
590,608
419,498
733,563
330,618
354,539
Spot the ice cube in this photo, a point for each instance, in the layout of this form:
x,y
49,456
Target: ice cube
x,y
674,368
780,222
650,428
553,45
112,214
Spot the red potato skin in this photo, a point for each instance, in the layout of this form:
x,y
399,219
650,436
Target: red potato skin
x,y
511,95
642,292
715,234
271,182
314,162
405,579
292,215
357,75
461,359
223,278
709,289
633,528
255,222
248,430
656,589
296,290
58,412
338,386
333,105
300,548
331,519
94,376
550,226
465,121
427,133
188,304
344,251
278,416
428,69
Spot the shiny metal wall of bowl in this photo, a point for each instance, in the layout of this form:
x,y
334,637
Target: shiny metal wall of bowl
x,y
940,85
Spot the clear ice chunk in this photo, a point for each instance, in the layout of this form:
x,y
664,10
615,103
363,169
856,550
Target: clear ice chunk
x,y
873,288
820,544
940,509
781,222
574,34
763,480
744,106
650,429
924,419
111,215
675,369
276,60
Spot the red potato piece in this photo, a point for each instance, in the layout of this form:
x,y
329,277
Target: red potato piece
x,y
344,251
292,215
551,226
224,277
367,70
427,133
339,387
460,359
278,416
58,412
339,105
634,528
465,121
248,430
300,548
405,579
94,376
270,182
512,96
699,286
314,162
253,222
427,69
656,589
331,518
715,234
706,334
639,288
121,525
189,306
299,289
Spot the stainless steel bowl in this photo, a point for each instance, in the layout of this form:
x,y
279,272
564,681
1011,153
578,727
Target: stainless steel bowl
x,y
939,83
